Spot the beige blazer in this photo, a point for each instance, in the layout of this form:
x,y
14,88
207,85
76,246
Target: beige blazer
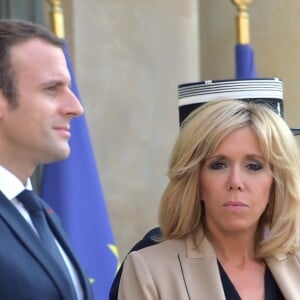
x,y
175,270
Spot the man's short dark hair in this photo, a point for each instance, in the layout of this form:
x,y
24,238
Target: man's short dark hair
x,y
13,32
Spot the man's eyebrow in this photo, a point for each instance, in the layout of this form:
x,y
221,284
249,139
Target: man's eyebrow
x,y
56,82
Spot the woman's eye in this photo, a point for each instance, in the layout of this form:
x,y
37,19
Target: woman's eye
x,y
217,165
255,166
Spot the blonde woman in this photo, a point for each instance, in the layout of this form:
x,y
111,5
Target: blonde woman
x,y
229,214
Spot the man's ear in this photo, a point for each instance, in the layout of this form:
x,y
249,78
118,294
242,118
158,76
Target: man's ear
x,y
3,104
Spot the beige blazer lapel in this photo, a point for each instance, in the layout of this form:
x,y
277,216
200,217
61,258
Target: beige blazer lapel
x,y
200,272
286,271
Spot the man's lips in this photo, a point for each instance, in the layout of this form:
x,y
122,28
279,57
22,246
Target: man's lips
x,y
63,130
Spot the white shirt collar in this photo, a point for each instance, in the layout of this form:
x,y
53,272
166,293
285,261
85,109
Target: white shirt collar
x,y
10,185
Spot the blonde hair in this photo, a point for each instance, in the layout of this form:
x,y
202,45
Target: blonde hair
x,y
181,211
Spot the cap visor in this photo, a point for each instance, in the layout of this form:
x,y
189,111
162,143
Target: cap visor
x,y
295,131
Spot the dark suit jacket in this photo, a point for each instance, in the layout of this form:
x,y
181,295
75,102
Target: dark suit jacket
x,y
27,272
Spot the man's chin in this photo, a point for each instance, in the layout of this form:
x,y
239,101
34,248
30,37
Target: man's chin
x,y
64,155
59,155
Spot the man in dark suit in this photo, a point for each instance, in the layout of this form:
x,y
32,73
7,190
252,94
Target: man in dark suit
x,y
36,108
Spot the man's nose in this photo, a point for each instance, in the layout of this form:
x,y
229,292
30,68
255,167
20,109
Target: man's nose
x,y
74,106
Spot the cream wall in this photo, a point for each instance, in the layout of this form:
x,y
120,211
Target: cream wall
x,y
129,58
130,55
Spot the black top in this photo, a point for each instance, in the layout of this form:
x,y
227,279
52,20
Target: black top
x,y
272,291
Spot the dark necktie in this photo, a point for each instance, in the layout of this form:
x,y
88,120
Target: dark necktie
x,y
32,203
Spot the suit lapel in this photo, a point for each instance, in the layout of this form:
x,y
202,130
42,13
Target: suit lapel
x,y
57,229
201,275
200,272
286,271
28,238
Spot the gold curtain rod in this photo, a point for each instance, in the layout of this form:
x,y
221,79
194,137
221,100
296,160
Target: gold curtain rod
x,y
242,21
57,18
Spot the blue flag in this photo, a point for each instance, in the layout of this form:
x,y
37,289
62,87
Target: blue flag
x,y
244,62
72,187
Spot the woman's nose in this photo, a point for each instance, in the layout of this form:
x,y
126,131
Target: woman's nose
x,y
235,180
